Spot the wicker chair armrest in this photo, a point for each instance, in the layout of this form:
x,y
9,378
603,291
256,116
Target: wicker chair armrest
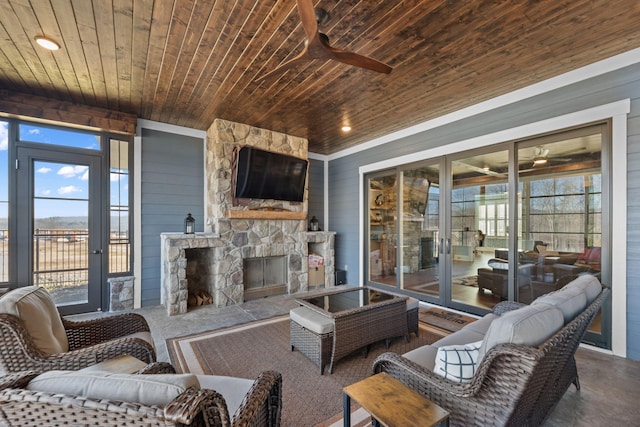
x,y
417,377
158,368
265,391
90,332
421,379
17,380
505,306
83,357
184,408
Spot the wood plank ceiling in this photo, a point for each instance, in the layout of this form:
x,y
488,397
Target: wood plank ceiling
x,y
187,62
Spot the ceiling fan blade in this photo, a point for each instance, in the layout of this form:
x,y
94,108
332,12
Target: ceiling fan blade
x,y
301,57
357,60
308,18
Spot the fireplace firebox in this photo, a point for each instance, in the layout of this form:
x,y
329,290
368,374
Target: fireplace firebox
x,y
264,276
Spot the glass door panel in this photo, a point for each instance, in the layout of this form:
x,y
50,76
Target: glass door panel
x,y
561,212
4,203
421,230
479,230
61,191
61,232
383,239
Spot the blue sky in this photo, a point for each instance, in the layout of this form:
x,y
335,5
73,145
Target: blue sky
x,y
55,183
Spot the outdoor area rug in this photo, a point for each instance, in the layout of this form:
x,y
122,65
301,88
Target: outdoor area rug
x,y
444,319
244,351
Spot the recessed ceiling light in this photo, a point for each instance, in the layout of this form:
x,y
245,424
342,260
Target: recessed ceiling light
x,y
47,43
346,128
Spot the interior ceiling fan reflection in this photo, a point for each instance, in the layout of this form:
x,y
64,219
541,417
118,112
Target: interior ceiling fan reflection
x,y
317,45
542,156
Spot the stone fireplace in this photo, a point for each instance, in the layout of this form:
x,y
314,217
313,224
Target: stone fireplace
x,y
240,230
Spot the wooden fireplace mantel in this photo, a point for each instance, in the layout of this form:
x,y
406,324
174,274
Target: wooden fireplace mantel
x,y
265,214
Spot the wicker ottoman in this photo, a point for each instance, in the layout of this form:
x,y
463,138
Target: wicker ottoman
x,y
311,335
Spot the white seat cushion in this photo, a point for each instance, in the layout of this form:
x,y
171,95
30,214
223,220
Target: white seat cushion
x,y
149,390
311,320
571,301
231,388
424,356
412,303
530,325
35,307
589,284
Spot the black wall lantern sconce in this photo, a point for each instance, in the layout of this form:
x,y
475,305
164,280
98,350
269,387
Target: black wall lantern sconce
x,y
189,224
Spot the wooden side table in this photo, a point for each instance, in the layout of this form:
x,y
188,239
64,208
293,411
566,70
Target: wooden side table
x,y
124,364
391,403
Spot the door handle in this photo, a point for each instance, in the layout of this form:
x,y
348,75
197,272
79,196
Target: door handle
x,y
97,251
448,246
441,247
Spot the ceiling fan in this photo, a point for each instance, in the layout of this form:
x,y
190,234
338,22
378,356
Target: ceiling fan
x,y
317,45
541,156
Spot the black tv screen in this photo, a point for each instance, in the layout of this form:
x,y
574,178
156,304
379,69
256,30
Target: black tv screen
x,y
266,175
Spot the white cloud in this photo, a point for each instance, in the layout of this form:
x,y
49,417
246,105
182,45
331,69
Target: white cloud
x,y
4,136
85,175
69,189
34,131
115,177
45,192
44,170
72,171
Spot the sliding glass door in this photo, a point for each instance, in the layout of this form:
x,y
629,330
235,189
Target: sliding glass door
x,y
478,221
404,229
562,210
508,222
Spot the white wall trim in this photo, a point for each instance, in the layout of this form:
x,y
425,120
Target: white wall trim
x,y
617,111
326,195
168,128
619,234
580,74
137,221
316,156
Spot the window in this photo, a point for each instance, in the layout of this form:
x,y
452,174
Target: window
x,y
4,202
119,242
57,136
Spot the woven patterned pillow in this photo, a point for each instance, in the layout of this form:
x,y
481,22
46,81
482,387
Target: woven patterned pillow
x,y
457,362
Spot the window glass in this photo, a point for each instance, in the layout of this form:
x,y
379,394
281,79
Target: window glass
x,y
55,136
4,202
119,242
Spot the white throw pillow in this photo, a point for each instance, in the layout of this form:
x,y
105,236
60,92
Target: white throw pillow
x,y
457,362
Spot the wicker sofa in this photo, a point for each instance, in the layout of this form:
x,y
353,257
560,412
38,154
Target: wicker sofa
x,y
525,359
154,396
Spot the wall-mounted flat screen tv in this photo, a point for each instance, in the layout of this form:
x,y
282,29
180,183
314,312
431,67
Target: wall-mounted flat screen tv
x,y
266,175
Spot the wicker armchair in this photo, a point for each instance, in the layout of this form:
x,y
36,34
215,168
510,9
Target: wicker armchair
x,y
261,405
33,335
514,385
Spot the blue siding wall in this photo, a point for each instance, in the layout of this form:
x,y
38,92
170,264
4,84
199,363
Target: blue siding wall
x,y
611,87
172,186
316,191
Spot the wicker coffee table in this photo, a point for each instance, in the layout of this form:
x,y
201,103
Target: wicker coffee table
x,y
359,316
